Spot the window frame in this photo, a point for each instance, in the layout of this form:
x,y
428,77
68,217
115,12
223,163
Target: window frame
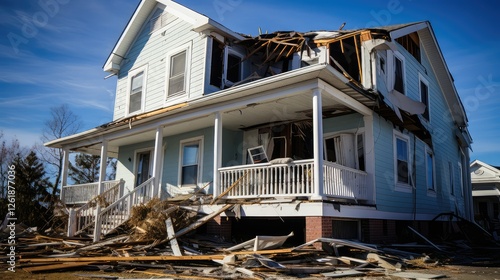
x,y
230,51
131,74
168,60
422,79
430,189
182,144
391,69
401,186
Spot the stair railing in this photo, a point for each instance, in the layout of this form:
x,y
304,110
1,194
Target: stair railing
x,y
118,212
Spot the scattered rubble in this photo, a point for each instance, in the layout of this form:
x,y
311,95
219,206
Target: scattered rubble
x,y
159,240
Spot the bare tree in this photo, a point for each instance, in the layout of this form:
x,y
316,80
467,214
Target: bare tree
x,y
63,122
8,152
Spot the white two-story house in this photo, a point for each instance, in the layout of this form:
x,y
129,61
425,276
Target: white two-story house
x,y
346,134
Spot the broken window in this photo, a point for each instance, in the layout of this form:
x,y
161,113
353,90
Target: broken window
x,y
411,43
345,54
233,74
399,84
176,80
217,65
424,97
340,149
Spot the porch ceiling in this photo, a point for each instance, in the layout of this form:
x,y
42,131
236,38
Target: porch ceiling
x,y
291,108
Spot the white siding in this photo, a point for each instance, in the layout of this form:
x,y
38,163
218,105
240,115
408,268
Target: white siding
x,y
151,49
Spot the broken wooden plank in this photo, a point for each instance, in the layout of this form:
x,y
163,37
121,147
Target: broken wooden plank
x,y
416,275
343,273
57,266
178,276
200,222
237,182
135,258
171,235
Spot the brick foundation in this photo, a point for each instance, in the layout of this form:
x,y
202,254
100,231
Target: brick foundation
x,y
317,227
220,226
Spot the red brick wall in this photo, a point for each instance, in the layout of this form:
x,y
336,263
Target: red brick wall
x,y
220,226
317,227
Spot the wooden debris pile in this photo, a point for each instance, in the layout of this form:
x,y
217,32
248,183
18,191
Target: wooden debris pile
x,y
161,242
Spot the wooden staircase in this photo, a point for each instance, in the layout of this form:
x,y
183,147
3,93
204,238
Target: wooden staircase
x,y
106,212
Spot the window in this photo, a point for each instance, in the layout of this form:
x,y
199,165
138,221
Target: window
x,y
401,160
136,90
340,149
429,170
411,43
226,65
217,63
177,74
233,70
190,160
399,83
424,96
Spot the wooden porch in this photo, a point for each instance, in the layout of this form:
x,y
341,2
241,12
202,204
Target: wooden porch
x,y
292,179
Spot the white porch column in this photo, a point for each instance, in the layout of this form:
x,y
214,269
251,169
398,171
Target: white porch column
x,y
64,171
157,161
100,188
217,153
318,144
369,143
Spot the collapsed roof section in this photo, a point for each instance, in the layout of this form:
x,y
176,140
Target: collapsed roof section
x,y
344,55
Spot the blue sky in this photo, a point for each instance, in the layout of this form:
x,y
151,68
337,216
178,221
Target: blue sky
x,y
52,52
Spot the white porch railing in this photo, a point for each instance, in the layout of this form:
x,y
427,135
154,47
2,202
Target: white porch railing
x,y
82,193
84,217
292,179
119,211
268,180
344,182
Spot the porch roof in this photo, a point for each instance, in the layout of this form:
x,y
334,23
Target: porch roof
x,y
229,100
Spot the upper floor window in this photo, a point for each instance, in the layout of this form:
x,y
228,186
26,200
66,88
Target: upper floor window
x,y
424,96
226,65
399,79
401,159
177,71
177,74
411,43
136,90
233,69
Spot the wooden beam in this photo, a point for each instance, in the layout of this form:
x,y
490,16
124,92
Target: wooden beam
x,y
229,189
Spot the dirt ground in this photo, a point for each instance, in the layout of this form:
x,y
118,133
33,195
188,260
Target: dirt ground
x,y
450,272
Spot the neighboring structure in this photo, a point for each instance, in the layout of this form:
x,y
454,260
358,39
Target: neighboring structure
x,y
486,195
348,134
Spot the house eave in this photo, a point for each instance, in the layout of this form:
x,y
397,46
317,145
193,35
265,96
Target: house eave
x,y
316,72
